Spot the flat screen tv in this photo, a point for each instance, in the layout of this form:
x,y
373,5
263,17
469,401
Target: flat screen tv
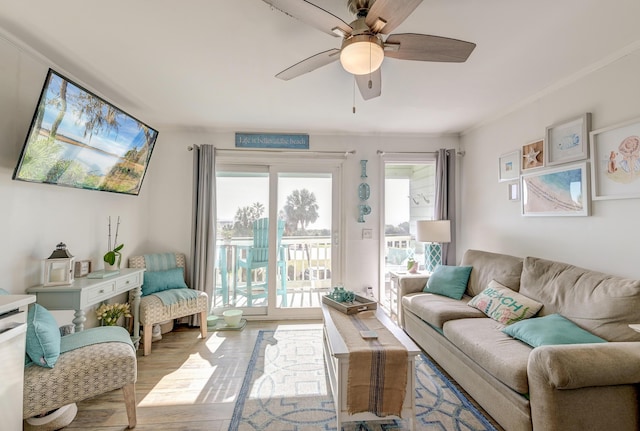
x,y
77,139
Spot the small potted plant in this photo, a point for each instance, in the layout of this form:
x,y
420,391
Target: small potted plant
x,y
412,265
227,234
113,257
109,314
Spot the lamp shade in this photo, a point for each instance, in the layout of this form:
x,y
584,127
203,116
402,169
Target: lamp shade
x,y
433,231
361,54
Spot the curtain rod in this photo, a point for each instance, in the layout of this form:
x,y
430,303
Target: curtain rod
x,y
383,153
277,151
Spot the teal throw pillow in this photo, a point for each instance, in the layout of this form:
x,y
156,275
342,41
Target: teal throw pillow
x,y
4,292
157,281
549,330
43,337
449,281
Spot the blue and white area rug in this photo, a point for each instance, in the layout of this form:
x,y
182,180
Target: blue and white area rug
x,y
286,389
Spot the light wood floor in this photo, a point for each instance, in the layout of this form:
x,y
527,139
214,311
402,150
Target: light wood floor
x,y
185,384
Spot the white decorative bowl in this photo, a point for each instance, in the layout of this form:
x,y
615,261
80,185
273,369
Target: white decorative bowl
x,y
232,317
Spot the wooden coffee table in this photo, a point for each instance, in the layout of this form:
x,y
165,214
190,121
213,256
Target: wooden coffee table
x,y
336,357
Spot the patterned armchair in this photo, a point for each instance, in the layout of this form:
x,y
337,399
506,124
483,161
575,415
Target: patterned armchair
x,y
153,310
80,374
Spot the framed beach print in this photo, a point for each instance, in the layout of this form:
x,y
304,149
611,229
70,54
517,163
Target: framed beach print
x,y
533,155
615,155
561,191
567,141
509,166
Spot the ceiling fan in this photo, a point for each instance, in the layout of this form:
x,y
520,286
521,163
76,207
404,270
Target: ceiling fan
x,y
364,44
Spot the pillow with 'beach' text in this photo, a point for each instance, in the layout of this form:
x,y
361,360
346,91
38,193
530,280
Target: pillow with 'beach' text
x,y
503,304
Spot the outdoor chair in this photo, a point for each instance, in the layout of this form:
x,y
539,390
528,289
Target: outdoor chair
x,y
255,257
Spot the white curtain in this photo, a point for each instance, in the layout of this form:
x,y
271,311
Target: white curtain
x,y
203,226
445,203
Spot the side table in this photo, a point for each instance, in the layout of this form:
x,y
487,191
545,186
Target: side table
x,y
395,278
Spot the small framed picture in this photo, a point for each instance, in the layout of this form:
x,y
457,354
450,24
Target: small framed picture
x,y
514,191
615,155
509,166
82,268
567,141
533,155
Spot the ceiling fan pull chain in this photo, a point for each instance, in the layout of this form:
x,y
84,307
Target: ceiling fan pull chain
x,y
354,94
370,84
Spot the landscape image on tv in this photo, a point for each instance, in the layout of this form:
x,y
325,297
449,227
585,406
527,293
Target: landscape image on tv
x,y
76,139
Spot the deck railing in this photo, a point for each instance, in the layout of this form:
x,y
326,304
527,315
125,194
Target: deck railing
x,y
308,260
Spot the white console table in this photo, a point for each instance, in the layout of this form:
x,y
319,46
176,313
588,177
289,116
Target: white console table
x,y
85,292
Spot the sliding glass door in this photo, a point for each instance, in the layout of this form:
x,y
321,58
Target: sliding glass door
x,y
242,201
305,203
277,247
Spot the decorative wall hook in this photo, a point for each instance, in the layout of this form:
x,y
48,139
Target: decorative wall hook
x,y
364,210
363,168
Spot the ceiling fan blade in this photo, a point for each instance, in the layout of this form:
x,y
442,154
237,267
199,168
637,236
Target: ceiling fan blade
x,y
375,79
385,15
423,47
310,64
313,15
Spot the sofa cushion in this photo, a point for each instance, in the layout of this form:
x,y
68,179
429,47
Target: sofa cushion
x,y
503,304
483,341
600,303
449,281
438,309
487,266
550,330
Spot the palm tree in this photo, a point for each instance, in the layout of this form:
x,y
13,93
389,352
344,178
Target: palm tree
x,y
245,216
301,209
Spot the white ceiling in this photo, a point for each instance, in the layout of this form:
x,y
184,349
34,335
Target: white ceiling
x,y
210,64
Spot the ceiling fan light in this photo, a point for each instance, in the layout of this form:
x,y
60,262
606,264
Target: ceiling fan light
x,y
362,54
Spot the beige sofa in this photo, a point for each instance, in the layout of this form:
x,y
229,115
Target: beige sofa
x,y
553,387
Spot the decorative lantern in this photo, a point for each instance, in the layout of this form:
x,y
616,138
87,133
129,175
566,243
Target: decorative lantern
x,y
58,268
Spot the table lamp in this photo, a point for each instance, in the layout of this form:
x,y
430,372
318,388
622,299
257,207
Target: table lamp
x,y
433,232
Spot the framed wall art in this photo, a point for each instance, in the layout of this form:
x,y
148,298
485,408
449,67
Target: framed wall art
x,y
615,155
561,191
567,141
509,166
533,155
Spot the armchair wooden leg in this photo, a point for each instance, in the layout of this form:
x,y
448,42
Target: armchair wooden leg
x,y
203,324
129,392
148,332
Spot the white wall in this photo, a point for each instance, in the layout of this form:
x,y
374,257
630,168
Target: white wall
x,y
608,240
35,217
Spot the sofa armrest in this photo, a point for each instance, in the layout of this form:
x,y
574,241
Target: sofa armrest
x,y
596,383
573,366
411,284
